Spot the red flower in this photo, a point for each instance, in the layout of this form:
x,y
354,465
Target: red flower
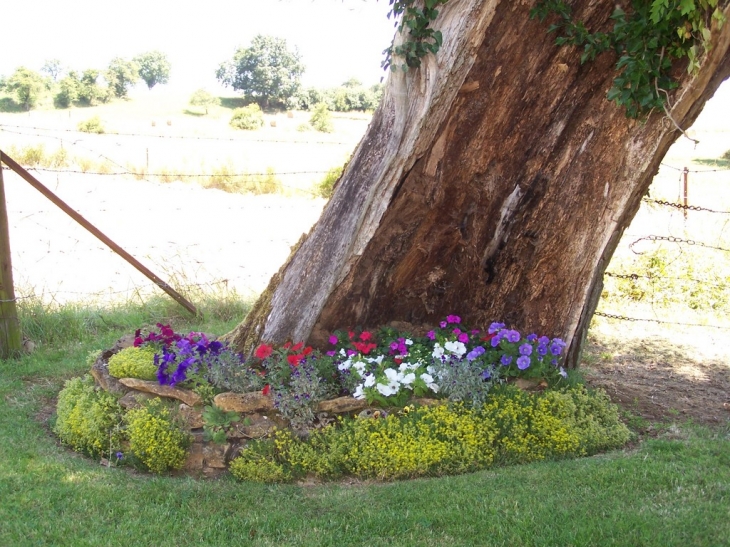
x,y
363,347
263,351
351,335
398,361
287,345
293,360
365,336
487,337
266,390
298,346
307,351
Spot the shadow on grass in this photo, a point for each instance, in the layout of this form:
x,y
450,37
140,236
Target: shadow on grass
x,y
195,113
234,102
720,163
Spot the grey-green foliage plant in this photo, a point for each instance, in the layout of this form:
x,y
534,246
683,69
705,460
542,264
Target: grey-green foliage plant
x,y
267,71
27,85
462,380
217,423
297,400
321,119
121,75
249,118
204,99
153,68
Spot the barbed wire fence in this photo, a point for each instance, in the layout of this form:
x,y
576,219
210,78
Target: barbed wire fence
x,y
192,272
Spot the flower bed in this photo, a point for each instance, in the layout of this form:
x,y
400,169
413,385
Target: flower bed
x,y
385,405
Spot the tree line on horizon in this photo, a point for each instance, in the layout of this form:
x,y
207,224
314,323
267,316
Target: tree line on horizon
x,y
267,73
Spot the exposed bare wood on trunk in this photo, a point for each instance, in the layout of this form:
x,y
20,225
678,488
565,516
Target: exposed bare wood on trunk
x,y
495,183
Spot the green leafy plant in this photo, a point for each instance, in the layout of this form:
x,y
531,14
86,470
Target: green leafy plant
x,y
217,423
156,437
321,119
88,418
646,38
92,125
421,39
248,118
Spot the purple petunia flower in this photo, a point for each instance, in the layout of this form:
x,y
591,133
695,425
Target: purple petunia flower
x,y
494,327
523,362
331,353
119,455
496,339
526,349
506,360
531,337
544,340
513,336
542,349
555,349
431,335
486,374
443,324
476,352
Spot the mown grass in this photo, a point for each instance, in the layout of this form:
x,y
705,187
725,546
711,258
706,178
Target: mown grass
x,y
670,490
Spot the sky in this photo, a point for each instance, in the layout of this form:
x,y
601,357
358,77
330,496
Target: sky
x,y
338,39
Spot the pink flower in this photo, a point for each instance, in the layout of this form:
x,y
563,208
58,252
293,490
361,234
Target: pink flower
x,y
333,340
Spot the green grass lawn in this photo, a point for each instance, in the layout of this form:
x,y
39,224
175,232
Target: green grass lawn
x,y
670,490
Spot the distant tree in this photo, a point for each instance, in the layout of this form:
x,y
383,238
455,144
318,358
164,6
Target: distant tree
x,y
68,92
202,98
267,71
53,68
27,85
352,83
154,68
90,92
121,75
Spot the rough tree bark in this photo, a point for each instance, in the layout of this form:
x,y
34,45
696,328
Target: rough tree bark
x,y
494,182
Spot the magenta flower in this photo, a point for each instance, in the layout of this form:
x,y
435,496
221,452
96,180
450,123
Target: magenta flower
x,y
333,340
443,324
431,335
463,338
453,319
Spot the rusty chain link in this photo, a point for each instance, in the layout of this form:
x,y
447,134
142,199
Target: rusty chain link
x,y
673,239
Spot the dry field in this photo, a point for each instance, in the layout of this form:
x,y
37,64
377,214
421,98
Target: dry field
x,y
193,236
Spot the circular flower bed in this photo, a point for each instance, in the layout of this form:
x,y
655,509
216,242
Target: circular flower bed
x,y
384,404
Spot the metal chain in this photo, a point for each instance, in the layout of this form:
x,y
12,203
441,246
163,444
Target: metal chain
x,y
634,319
680,206
673,239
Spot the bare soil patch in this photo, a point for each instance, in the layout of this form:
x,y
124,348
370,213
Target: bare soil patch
x,y
661,374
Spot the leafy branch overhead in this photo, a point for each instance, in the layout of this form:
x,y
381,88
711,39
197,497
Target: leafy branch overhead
x,y
647,38
421,39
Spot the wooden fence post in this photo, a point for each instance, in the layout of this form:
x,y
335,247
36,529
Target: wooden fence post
x,y
10,338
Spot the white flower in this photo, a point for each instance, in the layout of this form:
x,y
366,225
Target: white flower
x,y
359,366
438,351
343,352
387,389
358,392
378,359
408,379
563,373
456,347
433,387
345,365
430,370
369,380
427,378
408,366
409,342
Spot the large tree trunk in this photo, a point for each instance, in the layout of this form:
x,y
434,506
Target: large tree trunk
x,y
494,182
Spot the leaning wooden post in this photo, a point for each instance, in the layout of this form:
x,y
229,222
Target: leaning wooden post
x,y
10,339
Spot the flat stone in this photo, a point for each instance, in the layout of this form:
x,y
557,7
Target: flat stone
x,y
185,395
107,382
532,384
254,401
214,455
135,399
253,426
194,418
194,461
342,405
427,401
